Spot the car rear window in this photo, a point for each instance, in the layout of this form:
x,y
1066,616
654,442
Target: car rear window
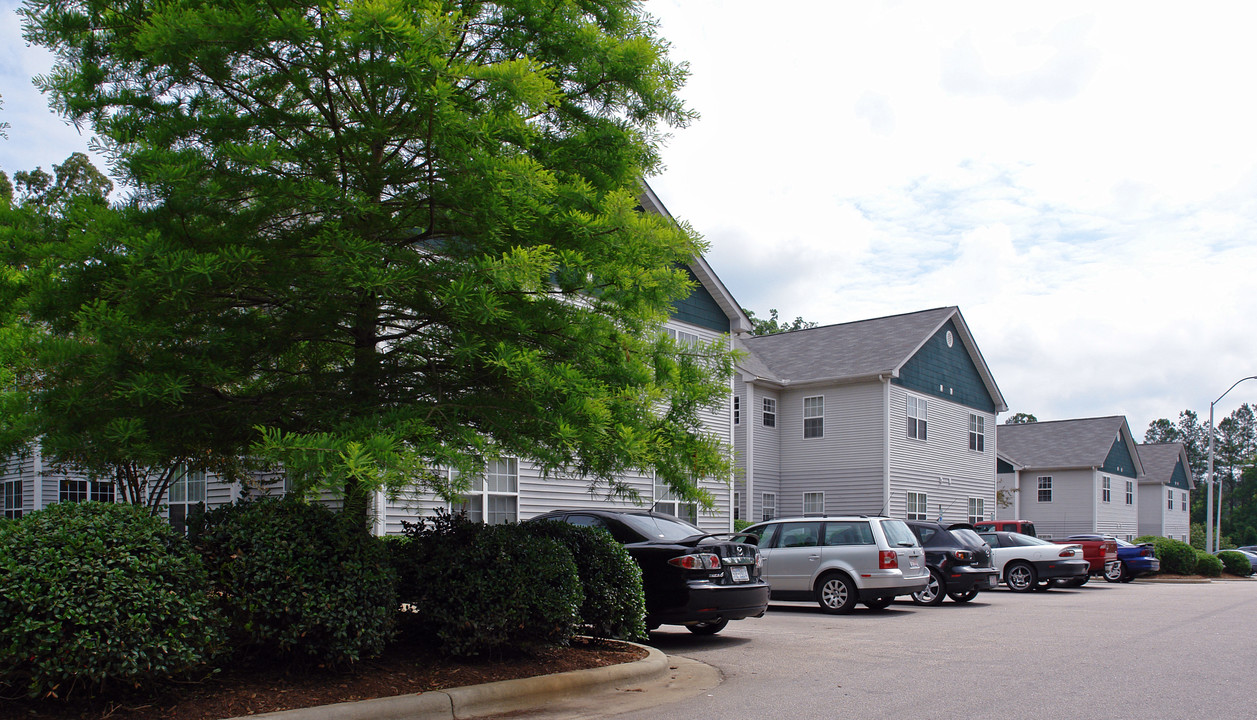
x,y
656,527
898,534
968,537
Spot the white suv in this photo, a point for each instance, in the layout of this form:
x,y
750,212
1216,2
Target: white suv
x,y
839,561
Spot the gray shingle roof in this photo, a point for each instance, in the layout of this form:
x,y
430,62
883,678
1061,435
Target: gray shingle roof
x,y
1159,459
1060,443
849,350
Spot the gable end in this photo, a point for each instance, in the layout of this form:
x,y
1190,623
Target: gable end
x,y
1178,478
937,366
700,308
1119,461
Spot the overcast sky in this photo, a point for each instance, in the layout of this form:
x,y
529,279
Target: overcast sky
x,y
1079,178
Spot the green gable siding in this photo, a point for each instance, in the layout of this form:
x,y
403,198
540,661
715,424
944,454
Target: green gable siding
x,y
1004,468
1119,461
1178,478
936,364
700,308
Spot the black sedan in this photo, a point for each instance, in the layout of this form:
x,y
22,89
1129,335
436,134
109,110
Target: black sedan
x,y
689,577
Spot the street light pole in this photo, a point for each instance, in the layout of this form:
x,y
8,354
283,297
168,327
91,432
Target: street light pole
x,y
1212,541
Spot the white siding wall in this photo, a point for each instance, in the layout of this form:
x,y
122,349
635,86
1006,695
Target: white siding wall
x,y
767,451
845,464
1007,482
1115,517
1072,509
942,466
1153,514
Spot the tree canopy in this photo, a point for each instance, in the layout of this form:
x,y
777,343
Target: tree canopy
x,y
771,325
1020,419
369,238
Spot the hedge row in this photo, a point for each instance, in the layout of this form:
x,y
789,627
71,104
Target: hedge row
x,y
96,597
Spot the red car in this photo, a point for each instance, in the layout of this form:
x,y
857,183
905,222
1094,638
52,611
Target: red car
x,y
1099,550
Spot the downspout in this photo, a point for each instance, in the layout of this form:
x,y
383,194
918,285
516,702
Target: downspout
x,y
1095,500
37,465
885,380
749,462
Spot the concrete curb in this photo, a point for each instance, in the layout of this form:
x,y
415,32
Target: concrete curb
x,y
491,698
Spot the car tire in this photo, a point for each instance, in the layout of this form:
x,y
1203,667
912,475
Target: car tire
x,y
1020,577
934,592
879,604
836,593
1117,572
708,628
963,597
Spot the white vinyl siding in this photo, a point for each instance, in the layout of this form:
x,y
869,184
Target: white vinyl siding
x,y
846,463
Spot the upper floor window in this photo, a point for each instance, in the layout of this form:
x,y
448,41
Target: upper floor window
x,y
1106,489
1169,499
12,499
977,432
1045,489
918,506
977,510
813,503
1184,502
737,506
814,417
770,412
737,410
917,417
1130,492
684,338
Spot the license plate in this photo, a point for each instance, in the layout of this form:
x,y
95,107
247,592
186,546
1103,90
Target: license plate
x,y
914,562
992,581
740,574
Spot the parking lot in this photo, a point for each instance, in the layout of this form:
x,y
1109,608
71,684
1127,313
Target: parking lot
x,y
1141,650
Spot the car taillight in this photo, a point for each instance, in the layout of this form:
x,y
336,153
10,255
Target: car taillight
x,y
887,560
759,561
962,555
1067,552
698,561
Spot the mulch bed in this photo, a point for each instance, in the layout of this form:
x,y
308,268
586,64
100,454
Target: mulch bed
x,y
266,687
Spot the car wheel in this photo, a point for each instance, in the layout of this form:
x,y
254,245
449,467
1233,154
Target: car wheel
x,y
836,593
879,604
1113,573
708,628
963,597
934,590
1020,577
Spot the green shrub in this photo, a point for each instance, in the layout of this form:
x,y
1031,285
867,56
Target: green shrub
x,y
739,524
1176,556
298,578
1236,563
611,580
1208,565
486,589
95,596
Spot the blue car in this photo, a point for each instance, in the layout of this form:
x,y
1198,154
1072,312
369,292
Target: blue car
x,y
1132,561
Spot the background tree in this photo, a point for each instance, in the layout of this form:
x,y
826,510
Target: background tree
x,y
1020,419
772,325
389,235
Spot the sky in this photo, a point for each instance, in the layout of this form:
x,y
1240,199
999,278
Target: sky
x,y
1079,178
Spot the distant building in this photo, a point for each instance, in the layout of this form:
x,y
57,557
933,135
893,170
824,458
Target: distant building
x,y
1165,491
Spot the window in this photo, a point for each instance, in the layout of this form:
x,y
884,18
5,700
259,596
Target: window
x,y
75,490
185,498
1106,488
1184,508
684,338
737,506
666,501
917,506
769,506
1169,499
12,499
813,503
737,410
977,510
814,417
493,499
770,412
977,433
1130,538
1045,489
917,417
1130,493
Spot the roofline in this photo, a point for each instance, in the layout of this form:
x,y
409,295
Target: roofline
x,y
838,380
966,337
738,321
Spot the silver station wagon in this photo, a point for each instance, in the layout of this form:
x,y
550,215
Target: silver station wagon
x,y
839,561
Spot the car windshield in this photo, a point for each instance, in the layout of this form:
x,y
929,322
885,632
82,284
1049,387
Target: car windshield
x,y
659,527
968,537
898,534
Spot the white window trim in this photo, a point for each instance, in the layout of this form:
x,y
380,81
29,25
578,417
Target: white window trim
x,y
13,496
1040,488
918,506
765,506
979,505
977,433
767,413
1130,492
1106,489
737,410
917,416
820,417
